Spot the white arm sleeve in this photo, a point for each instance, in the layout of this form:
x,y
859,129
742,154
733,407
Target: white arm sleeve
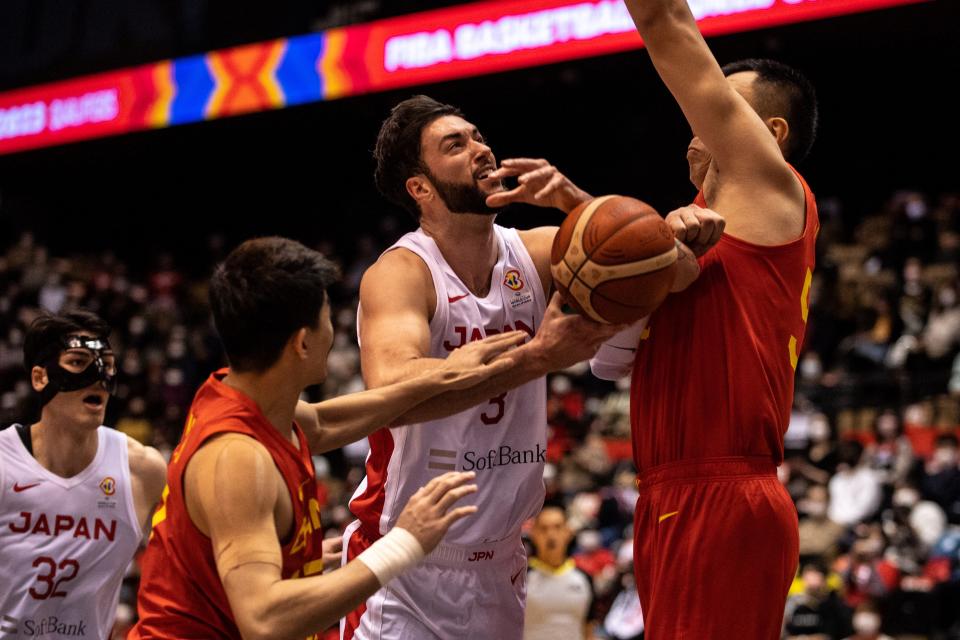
x,y
614,360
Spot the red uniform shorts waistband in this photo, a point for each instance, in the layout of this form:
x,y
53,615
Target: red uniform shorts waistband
x,y
706,469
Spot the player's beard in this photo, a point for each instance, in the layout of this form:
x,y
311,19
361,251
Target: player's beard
x,y
463,197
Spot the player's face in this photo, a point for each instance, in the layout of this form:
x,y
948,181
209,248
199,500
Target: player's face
x,y
321,341
458,164
83,407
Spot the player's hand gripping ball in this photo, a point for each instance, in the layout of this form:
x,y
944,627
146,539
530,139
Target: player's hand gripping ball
x,y
614,259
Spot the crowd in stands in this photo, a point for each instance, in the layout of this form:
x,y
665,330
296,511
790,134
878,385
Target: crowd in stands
x,y
871,452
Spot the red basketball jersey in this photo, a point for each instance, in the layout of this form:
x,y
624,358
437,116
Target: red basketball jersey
x,y
713,375
181,595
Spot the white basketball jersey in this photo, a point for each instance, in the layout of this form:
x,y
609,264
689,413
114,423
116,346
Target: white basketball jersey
x,y
65,543
502,440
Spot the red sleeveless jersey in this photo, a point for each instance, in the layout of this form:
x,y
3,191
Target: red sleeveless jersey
x,y
181,595
713,376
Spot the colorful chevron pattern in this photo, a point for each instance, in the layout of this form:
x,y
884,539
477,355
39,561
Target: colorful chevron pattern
x,y
472,39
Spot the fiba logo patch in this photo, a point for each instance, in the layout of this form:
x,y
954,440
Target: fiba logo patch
x,y
109,486
512,280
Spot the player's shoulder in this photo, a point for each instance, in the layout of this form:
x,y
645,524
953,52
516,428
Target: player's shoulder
x,y
232,450
395,266
399,276
538,241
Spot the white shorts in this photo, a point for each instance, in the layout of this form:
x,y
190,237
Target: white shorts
x,y
456,593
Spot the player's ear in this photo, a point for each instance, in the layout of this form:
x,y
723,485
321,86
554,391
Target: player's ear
x,y
419,188
299,343
780,129
38,378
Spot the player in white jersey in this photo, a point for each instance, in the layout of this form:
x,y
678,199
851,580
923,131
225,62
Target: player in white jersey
x,y
75,496
456,279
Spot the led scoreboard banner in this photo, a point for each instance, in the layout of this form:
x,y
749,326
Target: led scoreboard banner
x,y
414,49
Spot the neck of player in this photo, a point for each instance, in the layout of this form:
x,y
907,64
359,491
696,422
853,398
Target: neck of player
x,y
273,393
63,448
468,244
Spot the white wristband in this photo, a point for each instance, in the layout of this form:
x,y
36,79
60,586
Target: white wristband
x,y
392,554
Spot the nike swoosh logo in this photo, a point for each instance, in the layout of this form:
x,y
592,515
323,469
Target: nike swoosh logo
x,y
452,299
17,488
666,515
622,348
513,580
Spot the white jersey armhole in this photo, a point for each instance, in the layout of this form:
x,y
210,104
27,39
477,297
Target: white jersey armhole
x,y
121,440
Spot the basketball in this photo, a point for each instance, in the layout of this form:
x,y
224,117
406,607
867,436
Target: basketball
x,y
614,259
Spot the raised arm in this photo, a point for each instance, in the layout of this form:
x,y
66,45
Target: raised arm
x,y
760,197
733,132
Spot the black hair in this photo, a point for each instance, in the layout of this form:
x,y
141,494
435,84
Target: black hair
x,y
783,91
265,290
397,152
45,335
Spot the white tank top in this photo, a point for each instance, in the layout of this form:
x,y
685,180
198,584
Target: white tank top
x,y
503,440
65,543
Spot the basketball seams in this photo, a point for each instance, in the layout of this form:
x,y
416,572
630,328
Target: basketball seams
x,y
576,238
621,258
634,268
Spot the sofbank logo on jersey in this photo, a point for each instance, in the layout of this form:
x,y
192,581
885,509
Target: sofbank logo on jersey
x,y
503,456
46,627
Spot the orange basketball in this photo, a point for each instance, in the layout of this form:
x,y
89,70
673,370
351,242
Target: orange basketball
x,y
614,259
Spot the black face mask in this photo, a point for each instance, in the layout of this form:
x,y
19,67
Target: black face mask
x,y
59,379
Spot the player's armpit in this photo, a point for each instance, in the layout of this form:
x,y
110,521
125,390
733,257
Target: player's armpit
x,y
397,301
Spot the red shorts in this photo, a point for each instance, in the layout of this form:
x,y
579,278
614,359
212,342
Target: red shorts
x,y
715,549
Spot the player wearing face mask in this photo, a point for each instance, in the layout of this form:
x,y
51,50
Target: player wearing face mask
x,y
74,495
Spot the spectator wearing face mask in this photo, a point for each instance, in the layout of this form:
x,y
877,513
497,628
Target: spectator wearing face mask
x,y
818,533
866,624
867,574
941,477
816,613
941,336
820,461
891,455
855,493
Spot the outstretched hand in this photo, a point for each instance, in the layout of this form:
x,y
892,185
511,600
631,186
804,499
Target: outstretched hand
x,y
540,184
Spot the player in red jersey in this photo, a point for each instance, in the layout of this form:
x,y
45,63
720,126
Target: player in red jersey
x,y
716,538
239,517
